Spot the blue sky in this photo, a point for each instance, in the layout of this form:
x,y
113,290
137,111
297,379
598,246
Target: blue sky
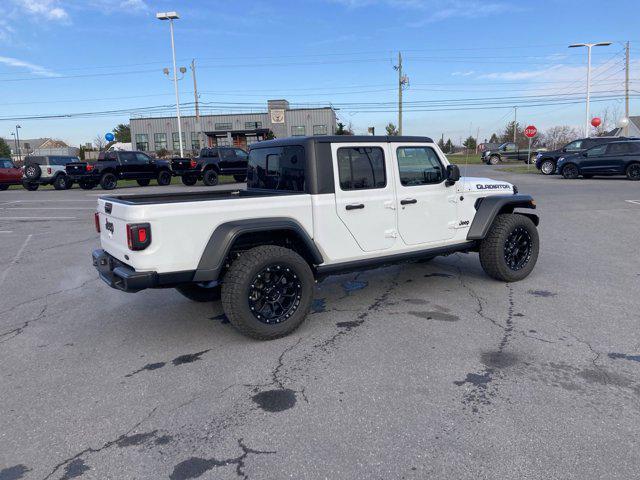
x,y
461,56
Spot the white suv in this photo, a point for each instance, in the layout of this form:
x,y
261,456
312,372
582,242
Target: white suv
x,y
47,170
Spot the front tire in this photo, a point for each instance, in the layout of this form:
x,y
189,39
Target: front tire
x,y
570,172
532,158
494,160
108,181
210,178
144,182
633,171
267,292
164,178
61,183
197,293
510,250
548,167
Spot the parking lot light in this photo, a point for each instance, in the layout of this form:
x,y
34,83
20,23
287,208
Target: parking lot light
x,y
589,46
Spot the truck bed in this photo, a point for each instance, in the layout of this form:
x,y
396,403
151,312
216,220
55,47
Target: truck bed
x,y
202,196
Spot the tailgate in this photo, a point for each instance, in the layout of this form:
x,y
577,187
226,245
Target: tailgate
x,y
113,219
179,164
76,168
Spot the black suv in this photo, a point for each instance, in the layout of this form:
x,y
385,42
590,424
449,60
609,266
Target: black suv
x,y
613,158
117,165
546,161
212,163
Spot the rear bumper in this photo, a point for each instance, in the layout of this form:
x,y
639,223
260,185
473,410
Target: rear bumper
x,y
84,178
122,277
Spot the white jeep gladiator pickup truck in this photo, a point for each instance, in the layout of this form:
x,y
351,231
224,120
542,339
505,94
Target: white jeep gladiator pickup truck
x,y
313,206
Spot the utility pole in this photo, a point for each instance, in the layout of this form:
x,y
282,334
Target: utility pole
x,y
626,90
402,81
515,123
195,94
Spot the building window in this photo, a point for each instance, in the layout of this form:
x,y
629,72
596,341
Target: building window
x,y
195,141
176,141
319,129
361,168
252,125
160,141
298,131
224,126
142,142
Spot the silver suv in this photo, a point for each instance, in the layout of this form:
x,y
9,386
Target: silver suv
x,y
47,170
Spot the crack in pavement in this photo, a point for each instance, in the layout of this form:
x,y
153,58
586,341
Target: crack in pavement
x,y
106,445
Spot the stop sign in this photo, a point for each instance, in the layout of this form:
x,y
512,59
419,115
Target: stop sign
x,y
530,131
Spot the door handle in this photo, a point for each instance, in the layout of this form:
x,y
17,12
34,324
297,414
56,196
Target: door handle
x,y
354,206
408,201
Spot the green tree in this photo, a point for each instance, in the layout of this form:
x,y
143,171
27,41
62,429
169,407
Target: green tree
x,y
448,147
470,143
494,138
122,133
507,135
391,129
441,144
5,151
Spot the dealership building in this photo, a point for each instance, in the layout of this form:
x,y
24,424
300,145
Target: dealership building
x,y
241,129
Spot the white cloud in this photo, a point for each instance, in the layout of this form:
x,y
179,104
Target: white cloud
x,y
467,73
45,9
134,4
30,67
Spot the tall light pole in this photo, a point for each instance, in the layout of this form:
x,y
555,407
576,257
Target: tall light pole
x,y
15,142
589,46
18,139
171,16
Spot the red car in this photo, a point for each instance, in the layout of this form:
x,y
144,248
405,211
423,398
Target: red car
x,y
9,174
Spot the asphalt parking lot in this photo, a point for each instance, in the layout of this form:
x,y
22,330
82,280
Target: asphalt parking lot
x,y
425,370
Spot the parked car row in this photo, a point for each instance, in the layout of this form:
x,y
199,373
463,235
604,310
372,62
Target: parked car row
x,y
63,171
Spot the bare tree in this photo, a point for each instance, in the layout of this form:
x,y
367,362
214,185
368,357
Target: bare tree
x,y
609,118
99,142
556,137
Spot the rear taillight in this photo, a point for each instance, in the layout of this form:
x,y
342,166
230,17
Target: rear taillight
x,y
138,236
96,219
193,163
49,171
89,167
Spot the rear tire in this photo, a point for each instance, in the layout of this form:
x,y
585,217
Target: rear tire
x,y
144,182
548,167
267,292
633,171
570,172
87,185
510,250
32,187
164,178
3,188
210,178
240,178
189,180
61,183
108,181
494,160
198,293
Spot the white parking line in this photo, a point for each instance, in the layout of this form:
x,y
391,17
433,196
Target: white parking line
x,y
3,275
47,208
39,218
636,202
6,231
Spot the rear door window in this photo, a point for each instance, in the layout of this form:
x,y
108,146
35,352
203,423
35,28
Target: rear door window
x,y
128,158
277,168
61,161
361,168
618,148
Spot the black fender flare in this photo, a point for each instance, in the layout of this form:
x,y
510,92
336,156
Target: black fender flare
x,y
224,236
490,207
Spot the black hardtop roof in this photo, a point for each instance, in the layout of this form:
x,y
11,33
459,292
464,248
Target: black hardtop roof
x,y
277,142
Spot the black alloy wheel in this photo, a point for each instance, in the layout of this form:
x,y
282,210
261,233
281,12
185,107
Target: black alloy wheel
x,y
517,249
108,181
570,172
633,171
189,180
274,294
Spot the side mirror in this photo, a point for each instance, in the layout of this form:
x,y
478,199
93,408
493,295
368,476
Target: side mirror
x,y
453,174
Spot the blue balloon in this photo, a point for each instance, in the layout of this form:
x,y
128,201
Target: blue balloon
x,y
110,137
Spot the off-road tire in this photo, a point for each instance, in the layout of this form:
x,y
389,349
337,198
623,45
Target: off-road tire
x,y
61,182
210,178
198,293
237,283
32,172
548,167
633,171
492,247
494,160
3,188
32,187
164,178
86,185
570,171
240,178
189,180
108,181
143,182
